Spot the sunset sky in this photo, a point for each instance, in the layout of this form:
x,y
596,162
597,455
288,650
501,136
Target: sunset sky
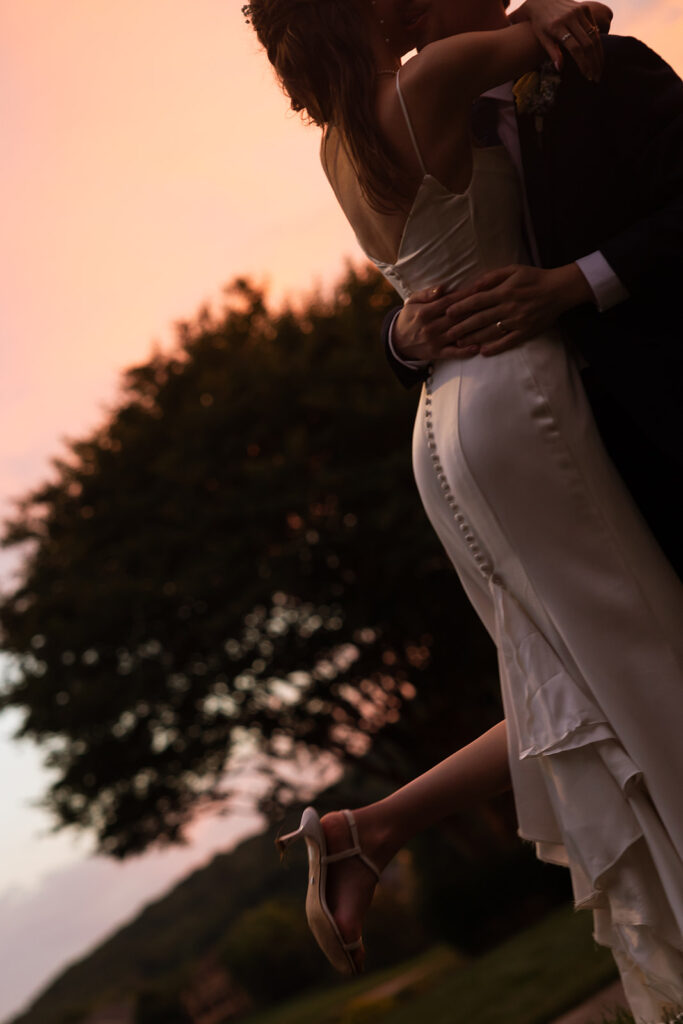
x,y
147,158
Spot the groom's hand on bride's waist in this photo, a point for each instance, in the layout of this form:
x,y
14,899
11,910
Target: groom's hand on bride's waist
x,y
497,311
513,304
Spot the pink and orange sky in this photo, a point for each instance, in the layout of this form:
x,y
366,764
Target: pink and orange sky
x,y
147,158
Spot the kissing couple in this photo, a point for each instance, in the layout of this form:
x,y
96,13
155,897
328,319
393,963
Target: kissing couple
x,y
519,182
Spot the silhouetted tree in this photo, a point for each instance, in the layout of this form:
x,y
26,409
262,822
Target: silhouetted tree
x,y
239,551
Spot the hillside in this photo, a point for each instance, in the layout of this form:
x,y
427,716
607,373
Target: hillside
x,y
182,941
174,930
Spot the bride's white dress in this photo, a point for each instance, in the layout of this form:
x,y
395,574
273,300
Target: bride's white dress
x,y
585,611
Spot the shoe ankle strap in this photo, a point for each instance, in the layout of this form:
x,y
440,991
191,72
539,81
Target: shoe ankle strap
x,y
355,850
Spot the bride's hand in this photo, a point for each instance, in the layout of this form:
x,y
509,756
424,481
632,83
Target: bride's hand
x,y
573,26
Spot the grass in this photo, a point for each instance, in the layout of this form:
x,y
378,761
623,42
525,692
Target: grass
x,y
624,1017
341,1004
530,979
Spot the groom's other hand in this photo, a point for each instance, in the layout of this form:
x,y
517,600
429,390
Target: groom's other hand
x,y
423,331
505,307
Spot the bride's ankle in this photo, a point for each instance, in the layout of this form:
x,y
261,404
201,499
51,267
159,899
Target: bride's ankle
x,y
376,837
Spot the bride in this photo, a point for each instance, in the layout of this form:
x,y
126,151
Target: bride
x,y
583,608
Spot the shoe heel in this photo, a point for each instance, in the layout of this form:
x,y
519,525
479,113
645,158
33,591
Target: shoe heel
x,y
282,842
306,827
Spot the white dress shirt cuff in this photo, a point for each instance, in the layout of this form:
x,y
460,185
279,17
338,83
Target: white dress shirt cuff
x,y
412,364
604,283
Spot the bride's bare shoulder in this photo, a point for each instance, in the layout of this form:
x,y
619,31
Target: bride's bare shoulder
x,y
438,68
433,75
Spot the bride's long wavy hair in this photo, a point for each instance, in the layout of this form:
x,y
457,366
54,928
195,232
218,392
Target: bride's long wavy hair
x,y
322,56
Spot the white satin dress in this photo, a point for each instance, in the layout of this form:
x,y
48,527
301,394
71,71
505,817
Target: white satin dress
x,y
585,611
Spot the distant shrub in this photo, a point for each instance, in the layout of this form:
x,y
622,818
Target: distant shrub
x,y
269,950
160,1007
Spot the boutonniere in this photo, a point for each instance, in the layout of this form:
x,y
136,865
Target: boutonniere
x,y
535,93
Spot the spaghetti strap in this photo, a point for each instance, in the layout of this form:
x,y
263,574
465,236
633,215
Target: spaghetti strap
x,y
410,127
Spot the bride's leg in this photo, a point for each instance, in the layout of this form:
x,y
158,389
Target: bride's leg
x,y
476,772
473,773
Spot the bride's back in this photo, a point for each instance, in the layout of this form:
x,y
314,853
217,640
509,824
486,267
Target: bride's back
x,y
462,220
421,136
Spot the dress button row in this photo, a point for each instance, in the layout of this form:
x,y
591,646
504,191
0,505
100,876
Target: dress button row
x,y
459,518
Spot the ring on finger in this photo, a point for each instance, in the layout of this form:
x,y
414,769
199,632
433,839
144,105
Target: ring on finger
x,y
593,30
501,327
566,36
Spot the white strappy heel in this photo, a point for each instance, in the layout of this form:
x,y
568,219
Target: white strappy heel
x,y
318,915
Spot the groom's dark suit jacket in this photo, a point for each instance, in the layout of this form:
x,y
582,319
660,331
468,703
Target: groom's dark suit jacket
x,y
607,173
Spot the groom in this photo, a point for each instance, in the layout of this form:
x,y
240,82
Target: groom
x,y
603,176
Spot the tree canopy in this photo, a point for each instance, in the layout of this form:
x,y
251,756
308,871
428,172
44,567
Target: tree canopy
x,y
238,551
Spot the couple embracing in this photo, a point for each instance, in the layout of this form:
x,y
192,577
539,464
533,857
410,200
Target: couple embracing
x,y
546,443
